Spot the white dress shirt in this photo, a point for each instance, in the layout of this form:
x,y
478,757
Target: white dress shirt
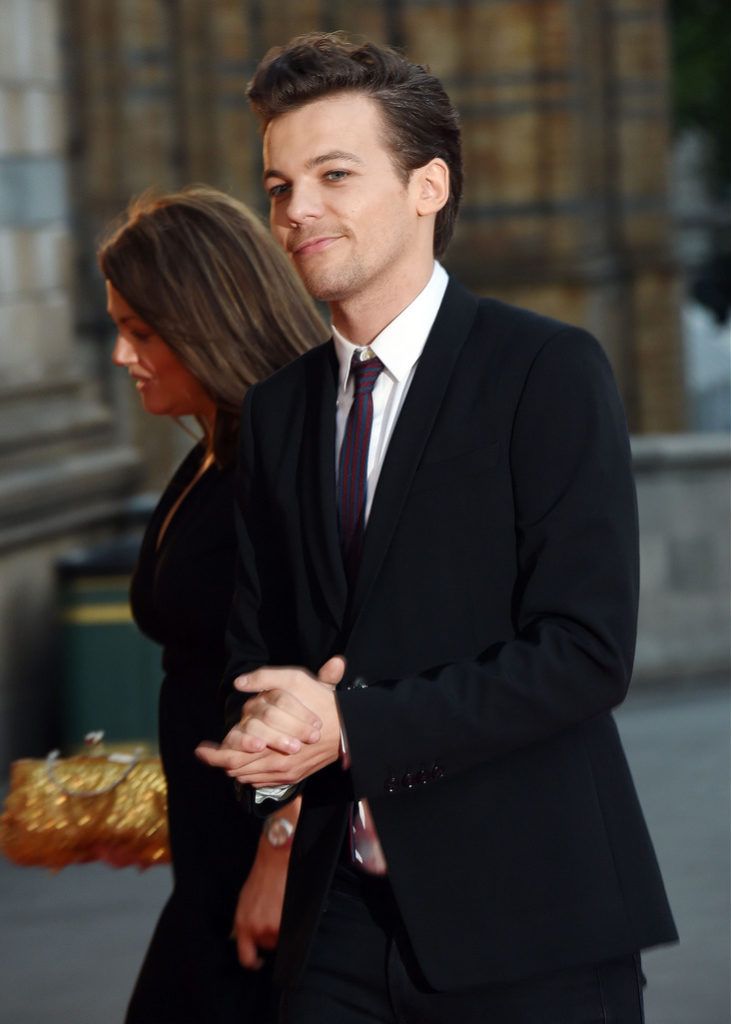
x,y
398,346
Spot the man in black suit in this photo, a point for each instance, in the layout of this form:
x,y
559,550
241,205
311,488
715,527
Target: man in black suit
x,y
451,528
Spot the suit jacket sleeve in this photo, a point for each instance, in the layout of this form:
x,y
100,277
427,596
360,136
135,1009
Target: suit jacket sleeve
x,y
245,642
574,600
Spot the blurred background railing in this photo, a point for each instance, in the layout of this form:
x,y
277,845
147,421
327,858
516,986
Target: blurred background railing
x,y
597,191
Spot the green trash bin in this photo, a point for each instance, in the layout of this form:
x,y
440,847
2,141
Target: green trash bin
x,y
110,671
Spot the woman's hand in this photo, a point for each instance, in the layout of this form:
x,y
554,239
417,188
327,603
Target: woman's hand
x,y
259,908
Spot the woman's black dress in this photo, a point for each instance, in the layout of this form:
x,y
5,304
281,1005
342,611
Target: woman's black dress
x,y
181,594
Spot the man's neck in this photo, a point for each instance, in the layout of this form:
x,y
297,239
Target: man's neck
x,y
361,318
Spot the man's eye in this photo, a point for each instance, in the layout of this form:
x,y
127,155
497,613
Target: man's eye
x,y
336,175
277,190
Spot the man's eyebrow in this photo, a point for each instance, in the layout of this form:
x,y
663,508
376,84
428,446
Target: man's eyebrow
x,y
315,161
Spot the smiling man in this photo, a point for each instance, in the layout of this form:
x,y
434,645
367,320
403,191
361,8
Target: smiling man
x,y
360,237
437,511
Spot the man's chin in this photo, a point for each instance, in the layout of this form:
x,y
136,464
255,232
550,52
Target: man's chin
x,y
323,288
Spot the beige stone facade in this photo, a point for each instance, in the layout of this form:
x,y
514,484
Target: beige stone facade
x,y
65,471
564,106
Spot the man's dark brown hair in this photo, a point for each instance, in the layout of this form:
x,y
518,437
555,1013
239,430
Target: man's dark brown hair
x,y
419,118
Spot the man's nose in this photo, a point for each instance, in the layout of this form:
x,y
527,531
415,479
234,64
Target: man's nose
x,y
123,353
304,204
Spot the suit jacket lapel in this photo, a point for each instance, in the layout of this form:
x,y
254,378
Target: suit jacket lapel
x,y
317,483
431,379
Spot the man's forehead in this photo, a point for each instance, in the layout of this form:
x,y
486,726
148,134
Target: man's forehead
x,y
332,124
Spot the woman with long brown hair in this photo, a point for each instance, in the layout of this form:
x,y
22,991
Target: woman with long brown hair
x,y
205,304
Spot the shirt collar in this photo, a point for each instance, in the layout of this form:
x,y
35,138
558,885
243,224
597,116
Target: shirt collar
x,y
401,342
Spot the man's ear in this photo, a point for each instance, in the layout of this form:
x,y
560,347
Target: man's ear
x,y
431,183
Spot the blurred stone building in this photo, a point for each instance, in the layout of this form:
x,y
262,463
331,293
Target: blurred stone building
x,y
566,135
564,107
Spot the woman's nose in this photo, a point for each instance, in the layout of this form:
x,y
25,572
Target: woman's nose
x,y
123,353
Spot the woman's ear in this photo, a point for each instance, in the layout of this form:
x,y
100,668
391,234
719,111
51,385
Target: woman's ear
x,y
432,187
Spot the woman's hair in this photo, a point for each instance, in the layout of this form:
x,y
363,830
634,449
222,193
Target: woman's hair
x,y
419,118
204,273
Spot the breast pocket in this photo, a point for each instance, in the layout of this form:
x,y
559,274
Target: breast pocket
x,y
448,470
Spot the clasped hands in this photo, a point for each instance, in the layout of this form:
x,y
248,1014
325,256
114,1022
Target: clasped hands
x,y
289,728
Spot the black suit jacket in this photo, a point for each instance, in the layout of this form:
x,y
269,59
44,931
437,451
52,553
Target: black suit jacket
x,y
489,633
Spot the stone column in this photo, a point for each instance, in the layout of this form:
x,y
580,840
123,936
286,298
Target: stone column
x,y
64,469
155,100
566,142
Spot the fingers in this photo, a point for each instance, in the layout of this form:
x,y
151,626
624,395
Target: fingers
x,y
275,715
211,754
230,759
332,671
247,951
268,938
278,736
239,764
249,946
277,720
295,681
281,710
272,721
271,770
271,679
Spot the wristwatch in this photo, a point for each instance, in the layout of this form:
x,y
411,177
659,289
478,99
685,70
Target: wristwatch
x,y
279,831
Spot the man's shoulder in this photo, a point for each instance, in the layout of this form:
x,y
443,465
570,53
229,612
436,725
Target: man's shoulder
x,y
519,331
290,378
504,316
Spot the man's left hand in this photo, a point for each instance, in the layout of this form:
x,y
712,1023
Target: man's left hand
x,y
283,696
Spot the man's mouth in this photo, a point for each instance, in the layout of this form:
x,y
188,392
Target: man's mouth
x,y
309,246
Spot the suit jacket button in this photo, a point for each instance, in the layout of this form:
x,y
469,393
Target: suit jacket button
x,y
437,771
391,785
409,780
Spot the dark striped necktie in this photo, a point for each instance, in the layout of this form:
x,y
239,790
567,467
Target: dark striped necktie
x,y
365,848
353,467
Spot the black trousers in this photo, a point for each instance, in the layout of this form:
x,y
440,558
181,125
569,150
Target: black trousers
x,y
362,971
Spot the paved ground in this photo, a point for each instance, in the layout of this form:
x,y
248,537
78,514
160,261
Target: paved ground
x,y
70,943
678,746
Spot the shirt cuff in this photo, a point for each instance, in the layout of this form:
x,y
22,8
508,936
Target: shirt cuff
x,y
272,793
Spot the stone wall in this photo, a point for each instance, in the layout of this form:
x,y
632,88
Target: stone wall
x,y
65,469
566,133
684,495
566,141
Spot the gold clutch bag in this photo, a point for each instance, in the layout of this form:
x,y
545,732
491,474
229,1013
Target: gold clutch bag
x,y
72,810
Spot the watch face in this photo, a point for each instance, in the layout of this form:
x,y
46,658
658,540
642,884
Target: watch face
x,y
279,831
